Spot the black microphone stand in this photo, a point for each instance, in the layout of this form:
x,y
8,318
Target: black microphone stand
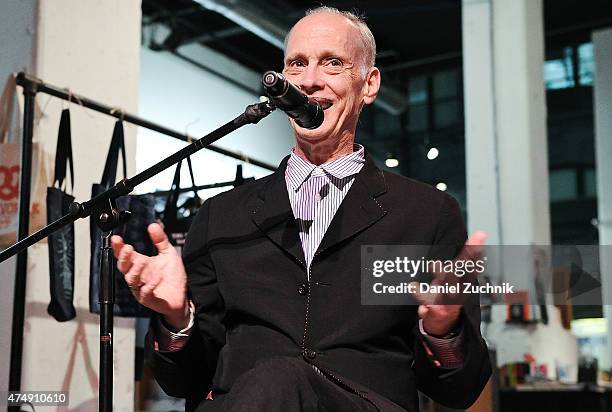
x,y
103,209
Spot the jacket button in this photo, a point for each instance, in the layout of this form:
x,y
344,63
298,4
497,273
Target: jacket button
x,y
303,289
310,354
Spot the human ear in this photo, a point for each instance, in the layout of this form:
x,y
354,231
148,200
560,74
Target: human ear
x,y
371,86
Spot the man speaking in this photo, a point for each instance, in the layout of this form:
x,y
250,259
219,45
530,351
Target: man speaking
x,y
263,312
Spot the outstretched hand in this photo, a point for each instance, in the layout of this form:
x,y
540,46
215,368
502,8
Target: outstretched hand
x,y
157,282
437,310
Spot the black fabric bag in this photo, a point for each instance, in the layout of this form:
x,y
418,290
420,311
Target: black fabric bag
x,y
61,243
177,219
134,232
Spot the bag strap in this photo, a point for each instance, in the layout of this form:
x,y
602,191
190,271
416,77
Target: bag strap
x,y
7,103
63,152
117,145
193,184
239,179
171,207
122,148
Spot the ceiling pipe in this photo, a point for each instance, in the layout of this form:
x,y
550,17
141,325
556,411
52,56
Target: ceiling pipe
x,y
252,18
266,25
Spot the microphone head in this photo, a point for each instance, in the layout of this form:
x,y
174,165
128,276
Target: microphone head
x,y
275,83
306,112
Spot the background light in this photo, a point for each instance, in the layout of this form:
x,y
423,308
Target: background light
x,y
441,186
433,153
392,162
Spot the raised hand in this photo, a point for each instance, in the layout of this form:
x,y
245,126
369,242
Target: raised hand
x,y
437,310
157,282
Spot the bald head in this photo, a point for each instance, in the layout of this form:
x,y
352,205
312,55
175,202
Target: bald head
x,y
352,20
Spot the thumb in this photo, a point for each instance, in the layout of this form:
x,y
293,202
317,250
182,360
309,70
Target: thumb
x,y
477,238
474,246
423,311
159,238
422,298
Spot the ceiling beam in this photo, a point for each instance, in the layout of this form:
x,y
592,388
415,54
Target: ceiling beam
x,y
253,18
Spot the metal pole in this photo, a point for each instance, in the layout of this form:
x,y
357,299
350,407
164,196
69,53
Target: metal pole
x,y
25,178
26,80
107,301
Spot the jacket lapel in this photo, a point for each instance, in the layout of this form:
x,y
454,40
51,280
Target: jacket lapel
x,y
359,209
274,217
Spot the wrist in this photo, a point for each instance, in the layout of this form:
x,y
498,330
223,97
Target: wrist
x,y
179,319
447,331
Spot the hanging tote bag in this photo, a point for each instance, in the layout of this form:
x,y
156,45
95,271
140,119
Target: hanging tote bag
x,y
61,243
10,167
134,232
177,218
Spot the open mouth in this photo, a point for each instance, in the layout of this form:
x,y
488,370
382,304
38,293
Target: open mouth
x,y
323,102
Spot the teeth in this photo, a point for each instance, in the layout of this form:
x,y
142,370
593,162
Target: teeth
x,y
325,104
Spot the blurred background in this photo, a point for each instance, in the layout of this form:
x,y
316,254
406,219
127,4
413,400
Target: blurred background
x,y
504,104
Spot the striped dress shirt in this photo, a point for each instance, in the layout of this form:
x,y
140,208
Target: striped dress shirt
x,y
316,192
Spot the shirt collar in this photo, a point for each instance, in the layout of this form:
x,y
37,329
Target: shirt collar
x,y
299,170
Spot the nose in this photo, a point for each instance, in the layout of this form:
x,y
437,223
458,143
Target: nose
x,y
311,80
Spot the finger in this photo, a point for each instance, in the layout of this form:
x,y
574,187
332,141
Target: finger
x,y
117,243
471,252
146,292
450,294
473,246
477,238
439,313
136,292
422,298
159,238
132,277
125,258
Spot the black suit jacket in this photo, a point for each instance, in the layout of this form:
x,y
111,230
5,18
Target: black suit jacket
x,y
247,278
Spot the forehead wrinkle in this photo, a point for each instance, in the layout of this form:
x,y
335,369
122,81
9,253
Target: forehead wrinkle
x,y
311,35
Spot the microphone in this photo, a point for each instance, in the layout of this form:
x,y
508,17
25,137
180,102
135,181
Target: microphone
x,y
287,97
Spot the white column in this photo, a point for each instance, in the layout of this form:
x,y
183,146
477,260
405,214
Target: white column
x,y
480,121
93,48
506,153
520,102
602,93
505,116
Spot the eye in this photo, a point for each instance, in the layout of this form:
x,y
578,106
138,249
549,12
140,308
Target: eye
x,y
296,63
334,61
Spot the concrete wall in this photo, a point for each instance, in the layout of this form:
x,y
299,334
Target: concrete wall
x,y
17,27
